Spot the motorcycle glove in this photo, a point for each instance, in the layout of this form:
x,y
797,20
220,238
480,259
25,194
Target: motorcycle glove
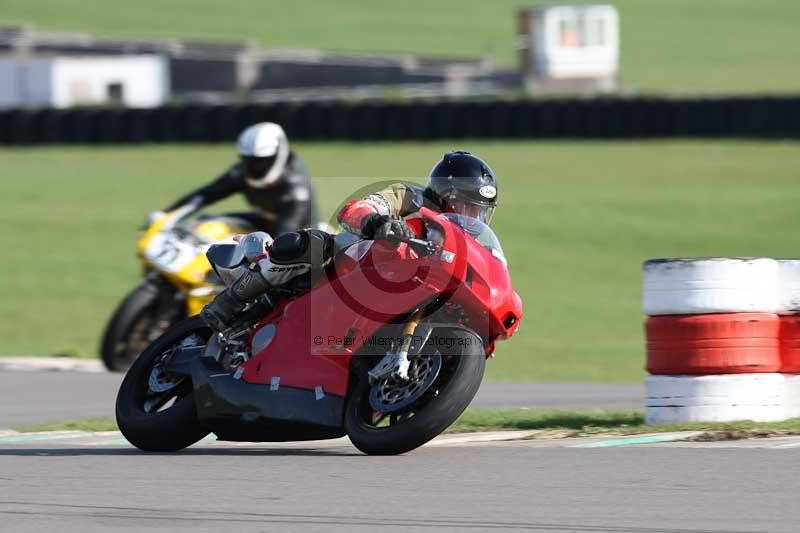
x,y
153,217
388,228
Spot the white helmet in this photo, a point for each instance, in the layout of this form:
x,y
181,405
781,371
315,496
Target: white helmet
x,y
265,151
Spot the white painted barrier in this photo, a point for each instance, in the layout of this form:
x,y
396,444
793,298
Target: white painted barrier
x,y
792,391
788,286
722,398
691,286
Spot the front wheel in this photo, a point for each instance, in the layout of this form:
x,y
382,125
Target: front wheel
x,y
139,319
155,410
444,380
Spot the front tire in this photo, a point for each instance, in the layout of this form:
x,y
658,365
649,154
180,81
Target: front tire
x,y
448,397
139,415
138,320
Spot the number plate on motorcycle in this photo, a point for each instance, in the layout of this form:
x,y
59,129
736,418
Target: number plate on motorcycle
x,y
168,253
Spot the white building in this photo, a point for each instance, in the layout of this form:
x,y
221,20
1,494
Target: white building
x,y
570,47
64,81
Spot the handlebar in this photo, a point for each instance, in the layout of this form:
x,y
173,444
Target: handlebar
x,y
421,246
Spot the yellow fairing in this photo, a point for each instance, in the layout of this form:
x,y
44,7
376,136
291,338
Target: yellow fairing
x,y
215,229
194,277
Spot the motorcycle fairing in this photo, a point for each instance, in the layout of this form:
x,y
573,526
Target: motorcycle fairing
x,y
193,279
225,256
318,333
239,411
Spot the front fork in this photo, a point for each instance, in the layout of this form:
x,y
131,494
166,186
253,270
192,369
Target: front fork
x,y
397,362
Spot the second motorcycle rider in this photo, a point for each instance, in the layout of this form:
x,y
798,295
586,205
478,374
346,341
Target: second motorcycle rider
x,y
273,178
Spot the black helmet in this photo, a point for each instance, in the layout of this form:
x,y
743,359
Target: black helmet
x,y
465,184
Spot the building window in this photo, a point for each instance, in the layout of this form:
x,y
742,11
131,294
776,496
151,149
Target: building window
x,y
569,33
115,93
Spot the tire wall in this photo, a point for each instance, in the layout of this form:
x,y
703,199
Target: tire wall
x,y
598,118
722,339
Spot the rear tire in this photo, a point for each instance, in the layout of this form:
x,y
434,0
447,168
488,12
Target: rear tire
x,y
466,361
142,304
174,428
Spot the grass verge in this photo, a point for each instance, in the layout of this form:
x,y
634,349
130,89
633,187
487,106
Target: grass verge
x,y
86,424
565,423
544,423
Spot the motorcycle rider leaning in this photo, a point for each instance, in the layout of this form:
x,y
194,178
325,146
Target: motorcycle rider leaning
x,y
273,178
460,183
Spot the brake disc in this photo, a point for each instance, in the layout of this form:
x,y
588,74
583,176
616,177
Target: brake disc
x,y
393,394
161,381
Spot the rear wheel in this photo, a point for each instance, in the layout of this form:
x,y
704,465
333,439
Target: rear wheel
x,y
155,410
141,317
392,416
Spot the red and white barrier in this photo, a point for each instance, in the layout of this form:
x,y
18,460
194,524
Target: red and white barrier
x,y
788,286
717,349
716,398
790,343
733,343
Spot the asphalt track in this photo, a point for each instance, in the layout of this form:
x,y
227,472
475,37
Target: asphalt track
x,y
96,482
541,486
37,397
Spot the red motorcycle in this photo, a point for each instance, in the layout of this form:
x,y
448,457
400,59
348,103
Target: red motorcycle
x,y
388,348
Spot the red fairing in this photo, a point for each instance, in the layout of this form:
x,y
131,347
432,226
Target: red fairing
x,y
372,284
482,286
417,225
352,214
318,333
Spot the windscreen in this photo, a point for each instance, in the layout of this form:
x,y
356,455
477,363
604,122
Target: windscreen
x,y
482,233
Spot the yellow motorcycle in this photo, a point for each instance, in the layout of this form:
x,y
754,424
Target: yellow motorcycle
x,y
178,282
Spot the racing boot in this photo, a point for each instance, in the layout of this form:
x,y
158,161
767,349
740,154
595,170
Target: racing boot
x,y
219,314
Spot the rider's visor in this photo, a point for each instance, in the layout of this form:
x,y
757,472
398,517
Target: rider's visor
x,y
257,167
455,203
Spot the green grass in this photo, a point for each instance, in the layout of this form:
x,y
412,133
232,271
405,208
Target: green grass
x,y
544,419
551,422
566,423
576,221
674,45
86,424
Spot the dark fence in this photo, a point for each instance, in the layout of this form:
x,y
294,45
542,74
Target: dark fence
x,y
631,118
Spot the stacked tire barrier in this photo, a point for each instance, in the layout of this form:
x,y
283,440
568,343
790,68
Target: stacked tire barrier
x,y
577,118
722,338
